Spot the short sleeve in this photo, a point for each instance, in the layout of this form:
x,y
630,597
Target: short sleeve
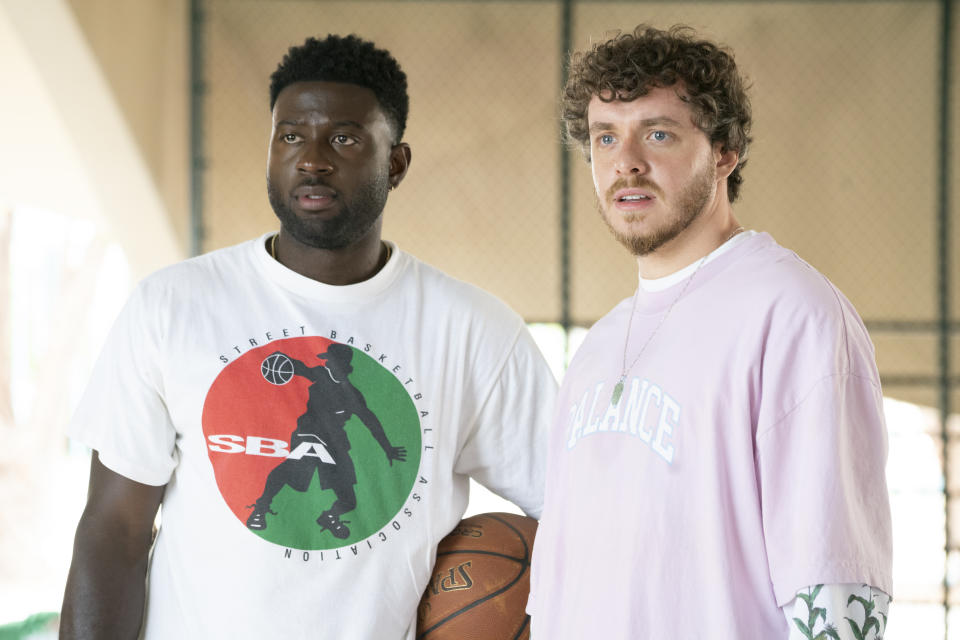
x,y
507,448
122,414
821,470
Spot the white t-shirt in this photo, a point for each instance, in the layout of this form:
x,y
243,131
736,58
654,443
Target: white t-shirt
x,y
188,392
743,462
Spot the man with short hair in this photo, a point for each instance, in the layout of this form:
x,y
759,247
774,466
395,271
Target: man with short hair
x,y
716,465
325,326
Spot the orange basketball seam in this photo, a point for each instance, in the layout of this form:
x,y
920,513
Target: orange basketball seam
x,y
526,621
523,561
526,549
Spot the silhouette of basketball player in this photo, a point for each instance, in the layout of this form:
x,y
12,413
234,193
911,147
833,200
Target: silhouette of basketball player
x,y
320,443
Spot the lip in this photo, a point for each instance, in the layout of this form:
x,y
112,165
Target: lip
x,y
633,205
314,197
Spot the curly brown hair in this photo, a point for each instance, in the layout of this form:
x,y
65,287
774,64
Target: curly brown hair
x,y
630,64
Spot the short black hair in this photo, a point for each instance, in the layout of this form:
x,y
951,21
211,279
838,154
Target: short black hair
x,y
352,60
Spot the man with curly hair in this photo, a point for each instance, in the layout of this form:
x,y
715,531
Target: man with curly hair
x,y
402,382
716,465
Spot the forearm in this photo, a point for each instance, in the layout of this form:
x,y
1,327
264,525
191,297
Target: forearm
x,y
105,590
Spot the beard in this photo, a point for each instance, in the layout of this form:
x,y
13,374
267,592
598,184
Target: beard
x,y
354,220
690,204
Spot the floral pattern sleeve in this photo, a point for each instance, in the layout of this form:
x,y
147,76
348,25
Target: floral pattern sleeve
x,y
837,612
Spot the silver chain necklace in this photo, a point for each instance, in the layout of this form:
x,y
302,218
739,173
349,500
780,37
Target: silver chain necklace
x,y
618,388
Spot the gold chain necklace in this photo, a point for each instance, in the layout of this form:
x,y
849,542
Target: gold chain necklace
x,y
273,249
618,388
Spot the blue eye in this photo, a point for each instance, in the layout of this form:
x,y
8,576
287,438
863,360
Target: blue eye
x,y
660,136
606,139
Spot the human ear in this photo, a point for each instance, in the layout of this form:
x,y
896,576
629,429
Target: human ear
x,y
726,160
399,163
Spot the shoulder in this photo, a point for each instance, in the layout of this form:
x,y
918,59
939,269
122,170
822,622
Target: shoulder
x,y
194,275
205,265
800,314
468,326
462,298
775,278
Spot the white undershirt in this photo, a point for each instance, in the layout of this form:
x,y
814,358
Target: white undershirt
x,y
659,284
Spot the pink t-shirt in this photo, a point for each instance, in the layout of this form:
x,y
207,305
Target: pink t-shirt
x,y
744,460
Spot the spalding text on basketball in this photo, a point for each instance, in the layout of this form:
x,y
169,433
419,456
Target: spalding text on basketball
x,y
456,579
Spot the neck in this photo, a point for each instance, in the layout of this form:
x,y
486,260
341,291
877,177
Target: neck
x,y
348,265
707,232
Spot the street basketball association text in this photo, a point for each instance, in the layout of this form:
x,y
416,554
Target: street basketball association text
x,y
299,331
354,550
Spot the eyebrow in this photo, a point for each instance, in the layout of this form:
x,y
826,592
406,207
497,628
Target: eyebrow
x,y
648,122
339,123
349,123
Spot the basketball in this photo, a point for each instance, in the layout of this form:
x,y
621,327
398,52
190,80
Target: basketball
x,y
277,368
480,582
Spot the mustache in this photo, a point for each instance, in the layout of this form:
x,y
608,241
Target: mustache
x,y
312,182
638,182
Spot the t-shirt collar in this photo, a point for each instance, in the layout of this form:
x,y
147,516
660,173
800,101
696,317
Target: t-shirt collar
x,y
309,288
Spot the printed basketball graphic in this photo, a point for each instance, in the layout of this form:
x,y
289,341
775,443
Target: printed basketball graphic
x,y
314,444
277,369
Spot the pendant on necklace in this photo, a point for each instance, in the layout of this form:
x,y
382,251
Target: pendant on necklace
x,y
617,392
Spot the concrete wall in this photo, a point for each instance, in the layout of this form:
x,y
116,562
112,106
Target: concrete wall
x,y
143,50
75,139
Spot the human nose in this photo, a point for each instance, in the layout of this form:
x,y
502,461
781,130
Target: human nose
x,y
314,158
631,159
